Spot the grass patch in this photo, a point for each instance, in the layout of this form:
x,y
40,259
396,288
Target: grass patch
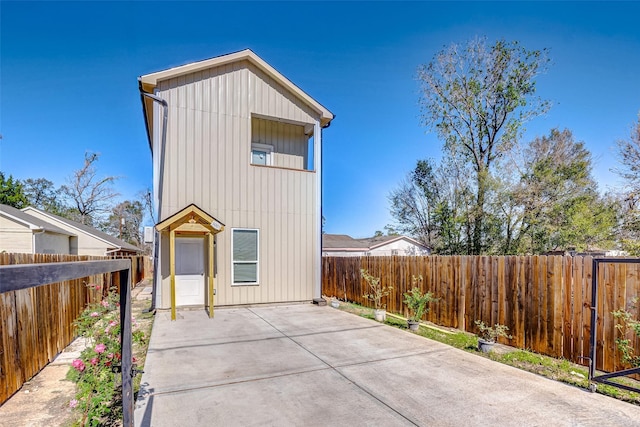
x,y
557,369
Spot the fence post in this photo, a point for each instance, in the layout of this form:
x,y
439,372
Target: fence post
x,y
594,317
125,340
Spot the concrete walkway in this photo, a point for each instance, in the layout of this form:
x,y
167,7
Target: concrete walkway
x,y
303,365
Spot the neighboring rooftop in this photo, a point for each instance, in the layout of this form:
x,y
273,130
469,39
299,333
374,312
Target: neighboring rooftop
x,y
107,238
30,221
344,241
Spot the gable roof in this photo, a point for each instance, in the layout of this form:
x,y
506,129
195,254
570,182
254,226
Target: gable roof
x,y
345,242
100,235
30,221
150,81
194,215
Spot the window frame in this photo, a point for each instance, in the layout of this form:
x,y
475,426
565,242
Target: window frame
x,y
256,262
268,149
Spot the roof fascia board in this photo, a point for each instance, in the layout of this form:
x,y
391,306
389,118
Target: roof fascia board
x,y
21,221
151,80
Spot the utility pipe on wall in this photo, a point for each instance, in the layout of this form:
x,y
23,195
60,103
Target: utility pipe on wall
x,y
157,176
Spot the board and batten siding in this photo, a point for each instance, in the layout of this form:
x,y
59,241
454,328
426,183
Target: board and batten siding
x,y
290,144
207,162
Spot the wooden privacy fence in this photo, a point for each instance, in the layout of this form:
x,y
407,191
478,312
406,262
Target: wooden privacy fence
x,y
37,323
544,300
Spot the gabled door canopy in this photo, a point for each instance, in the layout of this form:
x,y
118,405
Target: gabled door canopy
x,y
190,221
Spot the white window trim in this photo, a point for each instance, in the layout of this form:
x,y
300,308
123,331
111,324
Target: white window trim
x,y
257,262
262,147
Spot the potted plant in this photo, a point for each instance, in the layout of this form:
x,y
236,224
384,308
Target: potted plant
x,y
417,303
375,295
489,335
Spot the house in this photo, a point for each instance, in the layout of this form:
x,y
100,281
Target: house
x,y
343,245
236,151
23,233
85,240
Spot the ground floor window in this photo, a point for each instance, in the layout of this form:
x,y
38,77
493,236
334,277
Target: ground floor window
x,y
245,249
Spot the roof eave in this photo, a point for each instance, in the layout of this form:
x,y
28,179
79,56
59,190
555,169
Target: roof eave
x,y
150,81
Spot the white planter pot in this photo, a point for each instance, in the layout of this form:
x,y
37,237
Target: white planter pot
x,y
380,315
413,325
335,303
485,346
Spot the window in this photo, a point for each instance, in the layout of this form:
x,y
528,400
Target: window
x,y
261,154
245,249
394,252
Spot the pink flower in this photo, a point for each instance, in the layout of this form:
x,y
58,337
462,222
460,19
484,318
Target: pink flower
x,y
110,355
94,361
100,348
73,403
78,364
107,329
134,359
94,314
104,303
113,323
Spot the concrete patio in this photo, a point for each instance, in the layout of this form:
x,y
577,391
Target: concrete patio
x,y
303,365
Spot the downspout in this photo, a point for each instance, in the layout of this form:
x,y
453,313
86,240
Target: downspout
x,y
156,185
321,173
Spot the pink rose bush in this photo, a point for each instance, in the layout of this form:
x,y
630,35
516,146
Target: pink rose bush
x,y
78,365
97,380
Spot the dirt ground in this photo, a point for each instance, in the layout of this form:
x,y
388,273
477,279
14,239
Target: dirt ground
x,y
44,400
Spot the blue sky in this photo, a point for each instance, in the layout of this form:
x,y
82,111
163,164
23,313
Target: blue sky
x,y
69,71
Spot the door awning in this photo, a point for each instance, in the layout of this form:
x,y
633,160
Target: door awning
x,y
191,219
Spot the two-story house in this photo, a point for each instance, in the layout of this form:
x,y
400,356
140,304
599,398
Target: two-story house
x,y
236,152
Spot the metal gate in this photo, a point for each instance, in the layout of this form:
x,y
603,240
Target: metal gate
x,y
606,378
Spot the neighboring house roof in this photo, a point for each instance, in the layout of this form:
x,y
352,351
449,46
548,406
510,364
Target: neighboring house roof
x,y
341,241
149,81
30,221
114,242
347,243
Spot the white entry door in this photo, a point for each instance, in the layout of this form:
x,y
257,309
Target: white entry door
x,y
189,271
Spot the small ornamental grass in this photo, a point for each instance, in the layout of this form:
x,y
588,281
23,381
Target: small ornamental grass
x,y
98,399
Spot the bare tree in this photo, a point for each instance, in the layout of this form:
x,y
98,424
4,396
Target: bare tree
x,y
629,200
629,158
125,222
477,98
89,195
